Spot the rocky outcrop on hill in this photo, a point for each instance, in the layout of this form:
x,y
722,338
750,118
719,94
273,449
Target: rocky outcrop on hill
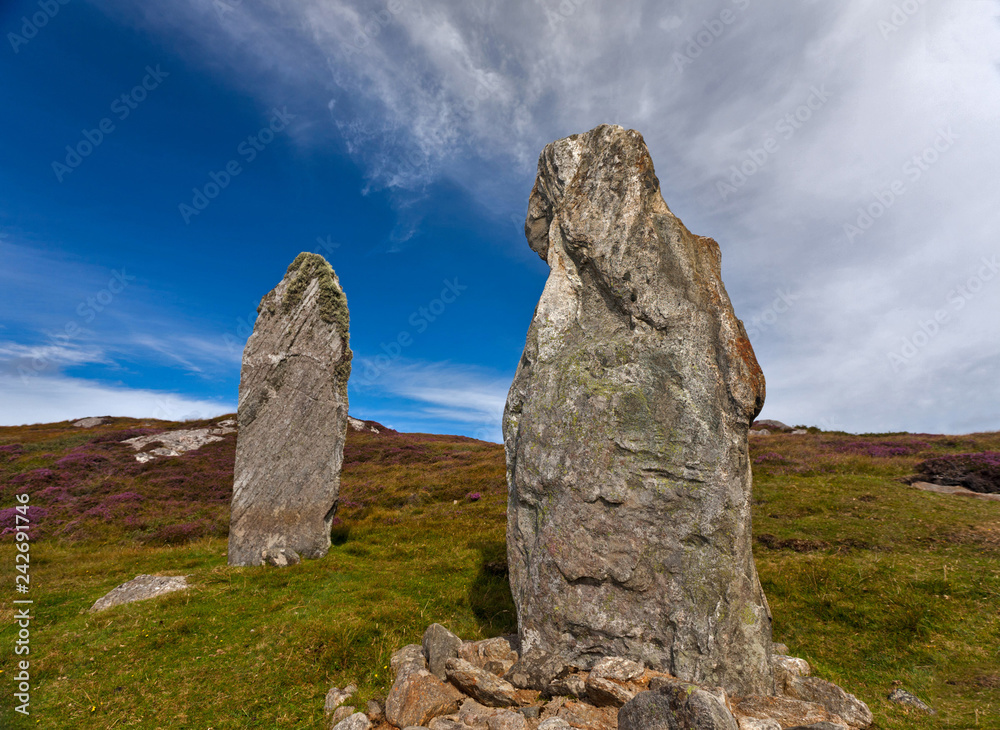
x,y
626,433
92,421
175,443
292,419
479,694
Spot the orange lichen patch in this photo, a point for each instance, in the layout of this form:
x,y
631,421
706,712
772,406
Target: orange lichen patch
x,y
746,353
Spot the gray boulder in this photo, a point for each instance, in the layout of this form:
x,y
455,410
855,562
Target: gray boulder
x,y
357,721
535,669
140,588
439,646
902,697
481,685
292,418
628,525
697,710
833,698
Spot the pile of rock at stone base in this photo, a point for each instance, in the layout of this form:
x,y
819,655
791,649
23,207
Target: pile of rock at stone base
x,y
450,684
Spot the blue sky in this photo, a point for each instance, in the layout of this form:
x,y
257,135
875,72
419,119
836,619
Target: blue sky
x,y
399,140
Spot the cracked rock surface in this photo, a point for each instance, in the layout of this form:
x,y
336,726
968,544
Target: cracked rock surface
x,y
292,419
625,430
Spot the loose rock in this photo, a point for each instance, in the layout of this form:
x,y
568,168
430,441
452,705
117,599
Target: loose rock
x,y
340,714
749,723
535,669
572,685
903,697
833,698
292,417
479,684
337,696
786,711
140,588
626,433
374,712
418,697
357,721
439,645
496,655
507,720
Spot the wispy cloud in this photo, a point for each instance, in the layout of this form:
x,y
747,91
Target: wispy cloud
x,y
469,93
469,398
49,399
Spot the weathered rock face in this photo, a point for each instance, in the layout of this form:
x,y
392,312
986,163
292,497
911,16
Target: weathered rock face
x,y
628,527
140,588
292,419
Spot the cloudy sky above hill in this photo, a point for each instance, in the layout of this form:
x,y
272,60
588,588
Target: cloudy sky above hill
x,y
843,154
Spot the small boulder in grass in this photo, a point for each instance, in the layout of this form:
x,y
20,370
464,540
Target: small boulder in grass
x,y
357,721
140,588
902,697
337,696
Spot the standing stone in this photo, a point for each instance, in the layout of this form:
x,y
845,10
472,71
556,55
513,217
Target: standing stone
x,y
292,419
628,520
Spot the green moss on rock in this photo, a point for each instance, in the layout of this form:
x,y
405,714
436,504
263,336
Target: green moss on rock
x,y
332,301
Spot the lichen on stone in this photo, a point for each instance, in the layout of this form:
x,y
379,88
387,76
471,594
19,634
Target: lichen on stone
x,y
332,301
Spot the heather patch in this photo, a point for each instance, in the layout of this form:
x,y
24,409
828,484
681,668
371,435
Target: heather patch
x,y
976,472
10,452
881,449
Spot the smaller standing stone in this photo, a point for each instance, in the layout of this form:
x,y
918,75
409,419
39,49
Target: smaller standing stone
x,y
292,419
140,588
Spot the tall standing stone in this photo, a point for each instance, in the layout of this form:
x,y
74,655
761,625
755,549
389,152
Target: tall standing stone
x,y
292,419
628,522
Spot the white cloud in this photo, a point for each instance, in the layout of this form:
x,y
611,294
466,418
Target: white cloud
x,y
470,92
43,399
471,398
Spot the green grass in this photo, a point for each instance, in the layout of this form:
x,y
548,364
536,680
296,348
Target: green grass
x,y
869,580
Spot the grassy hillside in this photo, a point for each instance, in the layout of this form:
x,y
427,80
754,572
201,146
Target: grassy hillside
x,y
873,582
